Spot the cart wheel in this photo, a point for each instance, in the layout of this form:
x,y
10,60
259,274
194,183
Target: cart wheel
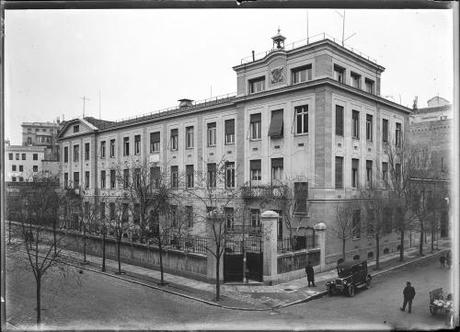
x,y
351,291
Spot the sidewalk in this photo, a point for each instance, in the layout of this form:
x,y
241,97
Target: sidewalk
x,y
240,296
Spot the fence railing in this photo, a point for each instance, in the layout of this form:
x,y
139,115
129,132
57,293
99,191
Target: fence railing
x,y
297,242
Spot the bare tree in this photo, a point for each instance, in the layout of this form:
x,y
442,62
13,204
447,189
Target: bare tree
x,y
118,223
344,227
216,197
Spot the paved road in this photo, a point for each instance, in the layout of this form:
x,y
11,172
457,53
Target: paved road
x,y
98,301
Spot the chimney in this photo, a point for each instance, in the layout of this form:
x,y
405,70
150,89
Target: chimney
x,y
253,56
185,103
414,105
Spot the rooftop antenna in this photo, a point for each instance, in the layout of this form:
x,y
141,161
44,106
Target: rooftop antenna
x,y
84,102
343,27
308,34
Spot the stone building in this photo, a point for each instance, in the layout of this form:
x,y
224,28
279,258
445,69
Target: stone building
x,y
23,162
42,134
310,117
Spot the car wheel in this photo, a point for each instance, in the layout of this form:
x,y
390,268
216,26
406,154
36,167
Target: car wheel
x,y
351,291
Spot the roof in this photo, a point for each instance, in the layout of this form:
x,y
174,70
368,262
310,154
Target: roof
x,y
433,109
98,123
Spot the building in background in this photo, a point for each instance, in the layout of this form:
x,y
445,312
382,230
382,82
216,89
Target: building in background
x,y
22,163
42,134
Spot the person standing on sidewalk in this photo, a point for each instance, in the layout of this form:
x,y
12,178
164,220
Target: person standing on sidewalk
x,y
442,260
409,294
310,274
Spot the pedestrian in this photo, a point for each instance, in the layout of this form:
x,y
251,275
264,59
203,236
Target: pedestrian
x,y
310,274
409,294
442,260
448,260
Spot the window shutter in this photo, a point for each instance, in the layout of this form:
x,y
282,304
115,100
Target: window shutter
x,y
255,164
256,117
230,127
155,137
277,162
276,125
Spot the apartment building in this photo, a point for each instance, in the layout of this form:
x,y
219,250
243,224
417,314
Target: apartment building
x,y
23,162
42,134
309,116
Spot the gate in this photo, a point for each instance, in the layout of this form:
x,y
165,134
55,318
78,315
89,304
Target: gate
x,y
234,260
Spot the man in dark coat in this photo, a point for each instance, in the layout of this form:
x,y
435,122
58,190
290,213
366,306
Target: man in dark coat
x,y
310,274
409,294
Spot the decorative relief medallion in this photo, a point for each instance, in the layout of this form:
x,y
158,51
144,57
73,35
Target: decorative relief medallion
x,y
277,75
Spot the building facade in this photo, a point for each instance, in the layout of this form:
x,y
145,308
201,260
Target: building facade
x,y
23,162
42,134
310,117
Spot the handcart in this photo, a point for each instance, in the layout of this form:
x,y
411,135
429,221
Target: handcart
x,y
441,303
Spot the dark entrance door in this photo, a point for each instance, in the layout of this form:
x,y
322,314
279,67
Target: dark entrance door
x,y
234,260
254,262
233,267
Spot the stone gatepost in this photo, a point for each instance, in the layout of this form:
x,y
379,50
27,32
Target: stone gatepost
x,y
269,221
320,229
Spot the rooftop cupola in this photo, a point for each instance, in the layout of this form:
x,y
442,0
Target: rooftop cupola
x,y
185,103
278,41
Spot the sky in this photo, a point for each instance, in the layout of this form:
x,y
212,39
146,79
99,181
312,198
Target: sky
x,y
140,61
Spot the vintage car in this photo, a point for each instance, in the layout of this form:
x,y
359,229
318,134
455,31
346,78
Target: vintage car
x,y
351,275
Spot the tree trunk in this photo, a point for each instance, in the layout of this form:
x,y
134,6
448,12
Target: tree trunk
x,y
160,250
39,307
377,251
217,276
54,239
84,243
9,231
422,235
343,249
103,252
401,246
118,254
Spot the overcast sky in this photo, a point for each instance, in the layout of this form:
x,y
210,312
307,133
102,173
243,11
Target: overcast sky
x,y
144,60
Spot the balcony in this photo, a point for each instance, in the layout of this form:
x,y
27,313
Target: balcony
x,y
263,192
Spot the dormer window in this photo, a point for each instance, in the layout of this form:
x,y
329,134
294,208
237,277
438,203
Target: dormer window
x,y
257,84
76,128
355,80
301,74
369,85
339,74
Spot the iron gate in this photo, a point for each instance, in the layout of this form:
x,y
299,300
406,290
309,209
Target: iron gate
x,y
234,260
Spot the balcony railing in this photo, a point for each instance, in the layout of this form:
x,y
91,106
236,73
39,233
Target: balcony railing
x,y
264,192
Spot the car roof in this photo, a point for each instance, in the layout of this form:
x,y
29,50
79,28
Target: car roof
x,y
347,265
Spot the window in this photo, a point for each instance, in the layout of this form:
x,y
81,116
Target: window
x,y
301,74
23,156
174,139
369,85
137,144
35,156
17,156
103,179
21,168
369,173
174,177
103,149
212,174
229,217
398,172
155,142
155,176
86,180
66,154
385,131
398,135
387,220
339,120
13,168
10,156
125,178
355,173
339,172
255,171
280,223
189,137
339,74
211,134
76,153
125,146
76,128
112,148
300,196
29,140
102,216
35,168
137,213
356,224
189,174
137,178
230,175
301,119
111,211
369,127
66,179
86,151
355,123
124,212
13,179
113,179
277,170
257,84
355,80
276,124
173,215
255,125
370,222
76,180
385,173
255,218
189,215
230,131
